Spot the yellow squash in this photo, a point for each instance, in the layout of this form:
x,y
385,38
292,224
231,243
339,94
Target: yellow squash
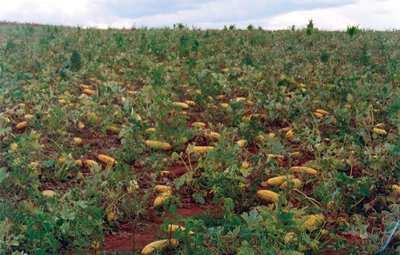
x,y
303,170
181,105
199,149
279,180
163,189
158,145
109,161
268,196
198,124
77,140
313,222
160,199
242,143
212,135
159,246
48,193
21,125
379,131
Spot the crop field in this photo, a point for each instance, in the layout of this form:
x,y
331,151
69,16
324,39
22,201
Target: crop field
x,y
202,141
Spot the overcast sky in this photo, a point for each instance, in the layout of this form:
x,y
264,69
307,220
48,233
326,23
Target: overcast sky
x,y
270,14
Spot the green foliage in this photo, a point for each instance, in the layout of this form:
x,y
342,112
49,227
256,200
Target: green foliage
x,y
352,30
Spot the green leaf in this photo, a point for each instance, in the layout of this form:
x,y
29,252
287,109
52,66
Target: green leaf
x,y
3,174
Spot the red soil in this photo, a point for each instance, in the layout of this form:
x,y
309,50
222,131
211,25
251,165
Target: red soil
x,y
123,240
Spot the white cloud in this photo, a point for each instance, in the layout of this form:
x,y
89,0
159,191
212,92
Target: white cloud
x,y
364,13
271,14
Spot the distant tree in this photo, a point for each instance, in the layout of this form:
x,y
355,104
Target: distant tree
x,y
310,27
352,30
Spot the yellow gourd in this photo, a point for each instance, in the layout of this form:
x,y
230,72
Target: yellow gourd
x,y
213,135
181,105
379,131
48,193
314,221
109,161
21,125
154,144
77,140
242,143
199,149
268,195
279,180
198,124
160,199
159,246
303,170
163,189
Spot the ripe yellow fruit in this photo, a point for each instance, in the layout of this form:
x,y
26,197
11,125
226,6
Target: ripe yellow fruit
x,y
290,237
303,170
90,163
81,125
379,131
290,134
260,138
109,161
190,102
79,162
13,147
95,245
279,180
242,143
199,149
21,125
89,92
198,124
111,215
163,189
240,99
181,105
150,130
160,199
245,164
320,113
28,116
295,154
292,183
77,140
213,135
48,193
159,246
396,189
276,157
84,86
268,195
313,221
224,105
154,144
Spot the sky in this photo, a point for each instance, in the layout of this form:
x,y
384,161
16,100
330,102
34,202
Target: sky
x,y
269,14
